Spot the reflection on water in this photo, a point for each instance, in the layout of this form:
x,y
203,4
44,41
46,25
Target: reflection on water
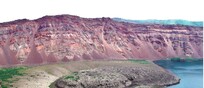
x,y
190,73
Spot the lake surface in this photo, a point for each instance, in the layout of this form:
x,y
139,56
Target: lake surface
x,y
190,72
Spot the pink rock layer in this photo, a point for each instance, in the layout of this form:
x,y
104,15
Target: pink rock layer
x,y
63,38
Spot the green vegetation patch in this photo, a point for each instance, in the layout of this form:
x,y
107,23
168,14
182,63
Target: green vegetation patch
x,y
74,76
7,73
187,59
190,59
139,61
175,59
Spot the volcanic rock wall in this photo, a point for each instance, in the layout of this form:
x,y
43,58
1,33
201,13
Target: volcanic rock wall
x,y
65,37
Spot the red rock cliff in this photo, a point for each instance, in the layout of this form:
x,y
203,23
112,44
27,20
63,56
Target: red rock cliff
x,y
64,37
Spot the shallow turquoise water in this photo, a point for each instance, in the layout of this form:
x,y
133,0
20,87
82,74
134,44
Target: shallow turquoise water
x,y
190,73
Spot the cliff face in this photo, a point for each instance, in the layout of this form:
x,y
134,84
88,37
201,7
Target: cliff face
x,y
64,37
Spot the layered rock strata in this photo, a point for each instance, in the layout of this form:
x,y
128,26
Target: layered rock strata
x,y
52,39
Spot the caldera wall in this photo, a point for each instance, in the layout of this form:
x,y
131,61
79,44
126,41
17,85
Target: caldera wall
x,y
64,37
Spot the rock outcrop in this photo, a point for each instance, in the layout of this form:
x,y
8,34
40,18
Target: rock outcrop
x,y
117,77
51,38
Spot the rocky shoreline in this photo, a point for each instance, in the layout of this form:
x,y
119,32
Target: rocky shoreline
x,y
123,76
114,74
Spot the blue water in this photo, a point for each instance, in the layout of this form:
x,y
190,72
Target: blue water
x,y
190,73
